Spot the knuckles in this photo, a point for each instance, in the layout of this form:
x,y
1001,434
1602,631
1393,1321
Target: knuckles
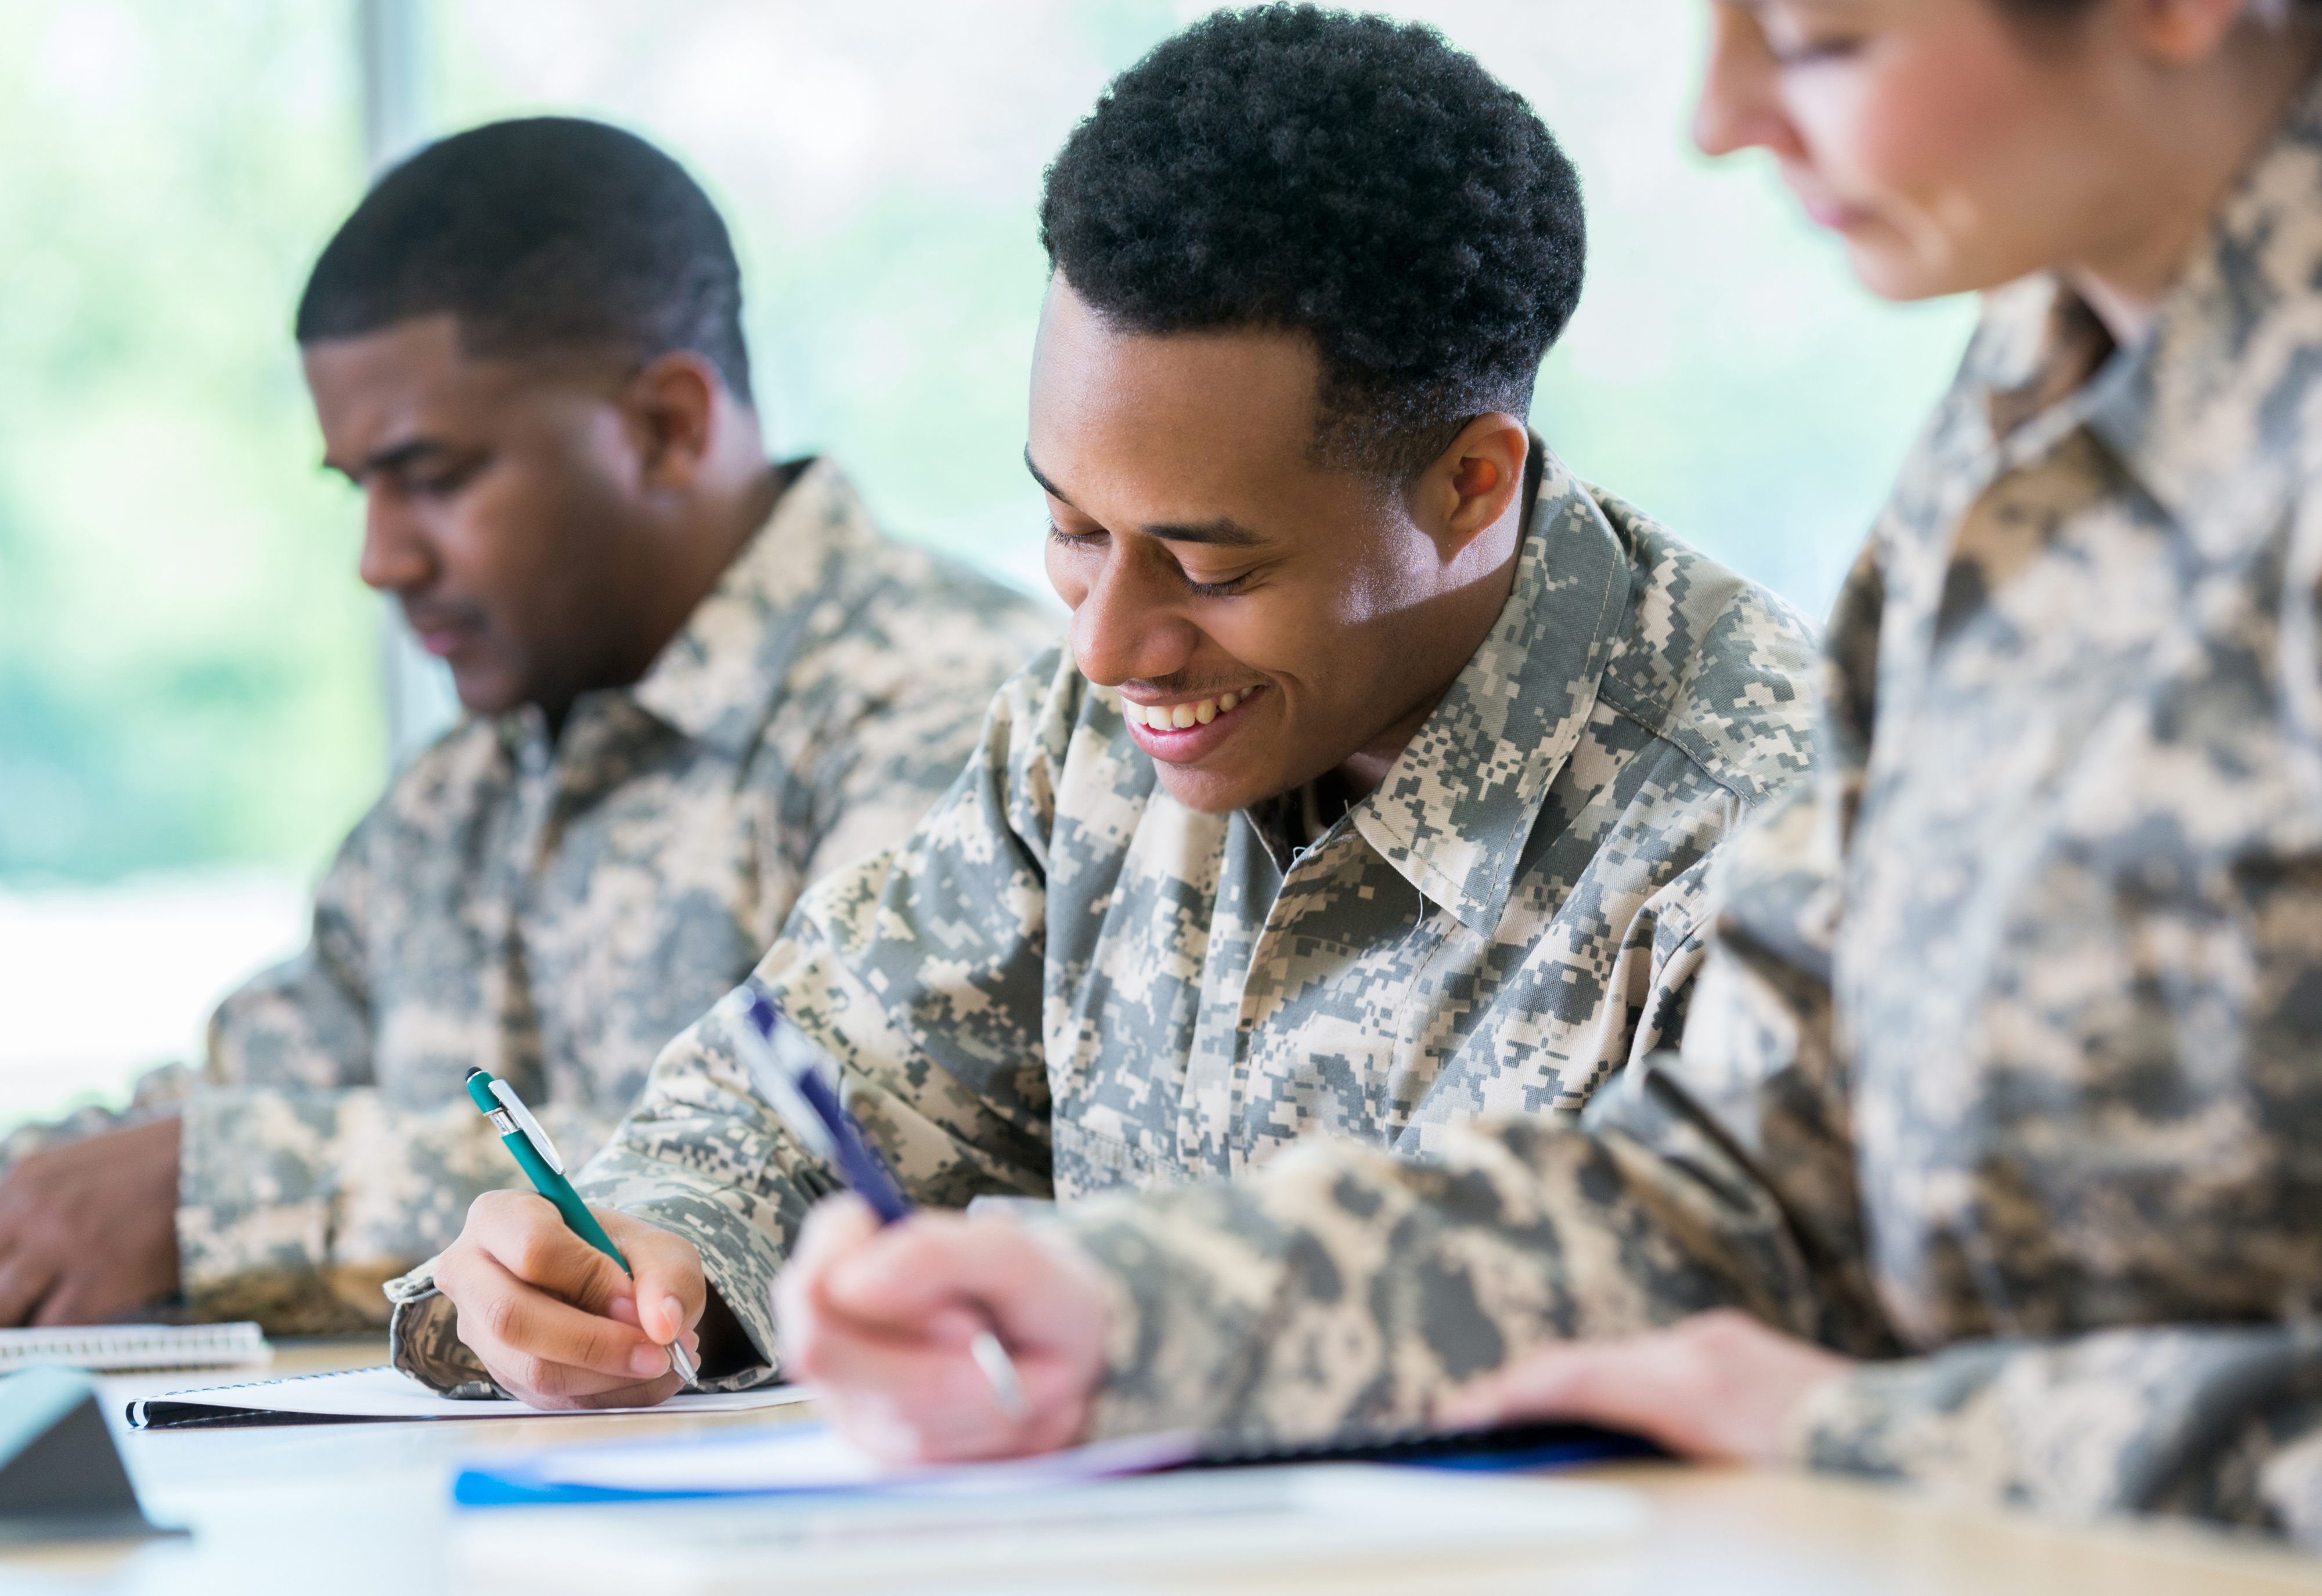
x,y
531,1375
501,1317
530,1255
1721,1331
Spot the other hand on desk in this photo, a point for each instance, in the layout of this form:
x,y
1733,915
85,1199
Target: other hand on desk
x,y
88,1230
881,1319
1718,1386
554,1320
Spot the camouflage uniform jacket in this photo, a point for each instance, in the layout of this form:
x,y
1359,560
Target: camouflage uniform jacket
x,y
2005,1073
557,912
1066,982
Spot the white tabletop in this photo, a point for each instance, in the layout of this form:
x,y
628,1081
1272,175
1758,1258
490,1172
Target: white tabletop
x,y
357,1508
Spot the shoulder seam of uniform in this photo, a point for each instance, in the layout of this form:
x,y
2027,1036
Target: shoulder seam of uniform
x,y
1708,763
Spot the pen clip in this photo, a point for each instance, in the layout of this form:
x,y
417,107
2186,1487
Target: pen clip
x,y
525,1123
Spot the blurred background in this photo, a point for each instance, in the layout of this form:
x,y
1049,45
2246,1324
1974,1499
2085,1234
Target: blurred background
x,y
196,697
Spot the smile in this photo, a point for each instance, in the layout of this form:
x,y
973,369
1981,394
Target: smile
x,y
1188,732
1200,712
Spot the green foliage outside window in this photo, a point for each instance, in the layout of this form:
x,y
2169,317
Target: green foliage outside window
x,y
187,665
188,670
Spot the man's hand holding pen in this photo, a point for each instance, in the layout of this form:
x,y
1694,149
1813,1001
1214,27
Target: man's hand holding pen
x,y
554,1320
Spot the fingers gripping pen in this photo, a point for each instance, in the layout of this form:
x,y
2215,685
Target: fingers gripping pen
x,y
809,1104
536,1155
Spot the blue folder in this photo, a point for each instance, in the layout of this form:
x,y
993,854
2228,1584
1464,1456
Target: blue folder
x,y
521,1483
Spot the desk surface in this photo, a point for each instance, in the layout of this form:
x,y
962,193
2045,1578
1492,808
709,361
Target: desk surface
x,y
369,1504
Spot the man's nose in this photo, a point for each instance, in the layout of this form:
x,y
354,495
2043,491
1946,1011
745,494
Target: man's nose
x,y
396,557
1129,627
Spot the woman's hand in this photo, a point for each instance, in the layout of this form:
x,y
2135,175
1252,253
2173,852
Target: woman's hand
x,y
880,1318
1718,1386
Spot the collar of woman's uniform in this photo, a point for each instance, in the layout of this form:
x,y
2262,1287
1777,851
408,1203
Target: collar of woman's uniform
x,y
2209,411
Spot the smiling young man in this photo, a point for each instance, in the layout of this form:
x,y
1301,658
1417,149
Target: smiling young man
x,y
1374,791
695,680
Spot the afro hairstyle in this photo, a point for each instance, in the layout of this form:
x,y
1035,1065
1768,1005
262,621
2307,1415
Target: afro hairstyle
x,y
1351,178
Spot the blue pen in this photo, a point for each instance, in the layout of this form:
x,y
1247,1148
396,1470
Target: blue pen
x,y
810,1105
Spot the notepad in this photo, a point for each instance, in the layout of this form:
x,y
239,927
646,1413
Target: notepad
x,y
1404,1524
359,1396
120,1349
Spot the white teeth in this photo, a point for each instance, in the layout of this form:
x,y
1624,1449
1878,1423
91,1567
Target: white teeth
x,y
1178,717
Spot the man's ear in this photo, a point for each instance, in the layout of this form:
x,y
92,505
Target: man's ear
x,y
1472,482
672,411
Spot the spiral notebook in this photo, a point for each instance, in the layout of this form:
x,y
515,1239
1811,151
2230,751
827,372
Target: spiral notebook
x,y
119,1349
371,1396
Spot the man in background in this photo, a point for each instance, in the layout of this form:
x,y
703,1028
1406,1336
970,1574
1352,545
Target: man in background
x,y
695,680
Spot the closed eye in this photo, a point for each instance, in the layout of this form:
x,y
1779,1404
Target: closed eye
x,y
1813,53
1224,589
444,481
1200,589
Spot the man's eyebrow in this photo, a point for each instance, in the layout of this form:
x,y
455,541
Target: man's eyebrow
x,y
1047,486
393,458
1225,530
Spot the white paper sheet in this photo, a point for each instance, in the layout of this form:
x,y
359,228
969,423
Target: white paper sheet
x,y
813,1457
1396,1528
387,1393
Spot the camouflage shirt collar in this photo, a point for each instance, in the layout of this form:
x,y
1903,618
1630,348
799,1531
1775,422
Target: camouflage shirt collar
x,y
2205,412
713,680
1454,813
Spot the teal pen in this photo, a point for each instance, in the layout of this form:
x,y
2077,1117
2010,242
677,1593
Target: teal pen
x,y
536,1155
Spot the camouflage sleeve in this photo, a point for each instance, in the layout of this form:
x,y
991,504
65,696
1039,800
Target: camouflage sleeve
x,y
261,1137
913,714
701,1155
919,973
295,1205
1343,1289
2213,1421
307,1022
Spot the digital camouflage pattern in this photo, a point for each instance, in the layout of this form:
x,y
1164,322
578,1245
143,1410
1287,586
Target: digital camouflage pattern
x,y
556,913
1066,982
2006,1070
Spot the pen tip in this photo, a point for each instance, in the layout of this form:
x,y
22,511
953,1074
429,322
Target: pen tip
x,y
473,1070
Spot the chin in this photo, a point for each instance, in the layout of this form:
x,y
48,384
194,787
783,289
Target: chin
x,y
1894,273
484,695
1209,793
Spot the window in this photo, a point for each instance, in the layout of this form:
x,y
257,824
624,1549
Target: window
x,y
190,678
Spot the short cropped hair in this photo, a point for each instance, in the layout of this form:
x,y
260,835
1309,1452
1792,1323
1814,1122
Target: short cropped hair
x,y
1351,178
545,236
